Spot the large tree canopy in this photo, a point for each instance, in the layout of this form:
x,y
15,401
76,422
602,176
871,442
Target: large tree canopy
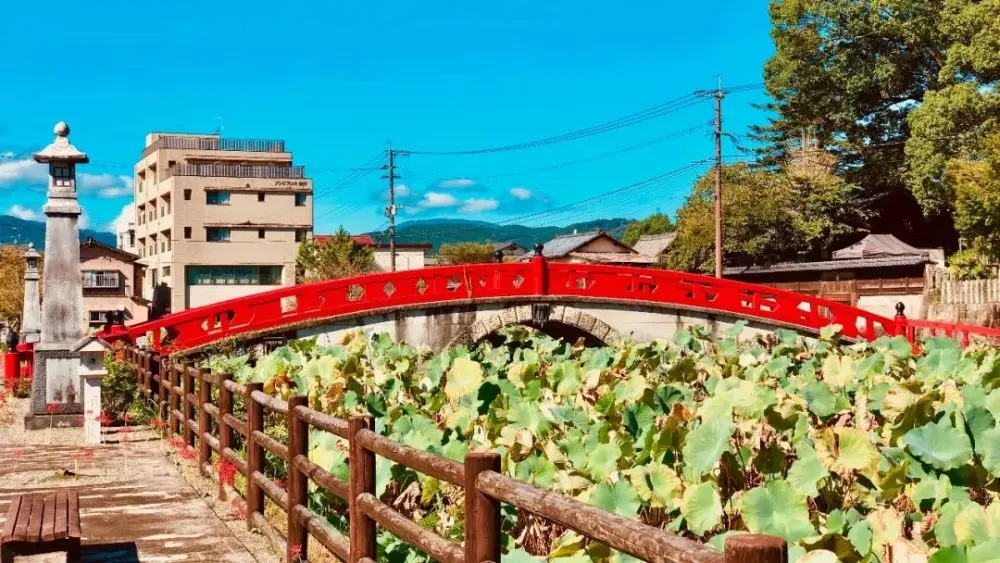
x,y
655,224
335,257
895,89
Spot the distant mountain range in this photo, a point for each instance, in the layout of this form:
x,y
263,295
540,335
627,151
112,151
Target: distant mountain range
x,y
443,231
21,232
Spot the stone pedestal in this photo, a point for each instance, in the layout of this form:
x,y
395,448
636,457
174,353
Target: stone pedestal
x,y
92,407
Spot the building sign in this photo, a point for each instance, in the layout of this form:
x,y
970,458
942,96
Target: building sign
x,y
291,183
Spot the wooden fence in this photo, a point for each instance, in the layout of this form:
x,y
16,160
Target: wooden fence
x,y
183,395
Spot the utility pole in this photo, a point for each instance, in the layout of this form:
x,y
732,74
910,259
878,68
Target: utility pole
x,y
390,210
718,180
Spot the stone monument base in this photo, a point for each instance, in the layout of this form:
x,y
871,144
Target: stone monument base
x,y
45,421
62,405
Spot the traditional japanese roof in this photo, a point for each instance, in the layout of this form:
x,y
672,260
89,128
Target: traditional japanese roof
x,y
562,245
509,245
91,243
654,245
829,265
878,246
614,258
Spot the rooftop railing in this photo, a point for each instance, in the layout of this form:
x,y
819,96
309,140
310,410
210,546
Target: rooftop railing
x,y
214,144
234,171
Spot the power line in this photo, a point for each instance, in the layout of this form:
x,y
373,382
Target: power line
x,y
647,114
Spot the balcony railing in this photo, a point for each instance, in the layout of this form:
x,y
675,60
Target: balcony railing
x,y
215,144
101,280
232,171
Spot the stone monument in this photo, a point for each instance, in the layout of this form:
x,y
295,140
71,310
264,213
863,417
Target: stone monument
x,y
57,389
31,316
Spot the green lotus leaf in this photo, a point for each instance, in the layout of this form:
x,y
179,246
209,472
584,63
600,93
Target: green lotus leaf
x,y
464,378
704,445
856,451
603,460
777,509
701,507
618,498
940,445
806,472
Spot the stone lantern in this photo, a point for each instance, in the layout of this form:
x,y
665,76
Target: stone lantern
x,y
31,315
56,389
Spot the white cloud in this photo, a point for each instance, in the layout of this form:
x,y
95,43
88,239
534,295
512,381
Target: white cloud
x,y
84,222
106,186
478,205
402,190
456,183
24,213
521,193
126,216
437,199
22,171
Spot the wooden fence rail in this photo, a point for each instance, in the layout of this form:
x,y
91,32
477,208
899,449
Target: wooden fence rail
x,y
183,395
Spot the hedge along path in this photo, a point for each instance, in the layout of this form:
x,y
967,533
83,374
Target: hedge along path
x,y
183,393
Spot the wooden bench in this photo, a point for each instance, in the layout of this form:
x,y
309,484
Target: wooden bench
x,y
42,523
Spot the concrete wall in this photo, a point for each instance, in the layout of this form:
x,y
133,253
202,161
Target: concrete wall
x,y
885,305
444,326
199,295
406,259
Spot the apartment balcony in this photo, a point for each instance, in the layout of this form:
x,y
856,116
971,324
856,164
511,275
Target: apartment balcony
x,y
214,144
235,171
101,280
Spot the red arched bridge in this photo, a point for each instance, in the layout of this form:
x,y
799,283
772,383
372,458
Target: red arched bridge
x,y
444,305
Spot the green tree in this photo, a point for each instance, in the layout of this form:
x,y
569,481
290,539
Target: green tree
x,y
976,187
804,216
335,257
655,224
849,74
465,253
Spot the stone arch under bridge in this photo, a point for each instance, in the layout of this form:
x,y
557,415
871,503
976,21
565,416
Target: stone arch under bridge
x,y
561,321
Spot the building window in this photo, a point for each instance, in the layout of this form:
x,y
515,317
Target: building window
x,y
260,196
62,175
261,233
300,235
166,271
216,234
300,200
217,198
99,318
101,280
163,246
187,232
131,239
234,275
187,195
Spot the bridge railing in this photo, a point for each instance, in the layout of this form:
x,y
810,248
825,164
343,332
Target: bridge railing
x,y
300,305
184,398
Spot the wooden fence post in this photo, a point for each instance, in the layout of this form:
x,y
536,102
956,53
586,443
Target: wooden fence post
x,y
171,375
204,425
756,548
363,533
148,375
188,408
225,431
157,364
482,513
298,483
255,453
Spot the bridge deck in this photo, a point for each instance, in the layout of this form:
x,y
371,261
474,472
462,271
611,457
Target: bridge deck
x,y
134,505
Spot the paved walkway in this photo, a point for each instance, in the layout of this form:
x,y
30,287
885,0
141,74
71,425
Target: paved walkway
x,y
134,503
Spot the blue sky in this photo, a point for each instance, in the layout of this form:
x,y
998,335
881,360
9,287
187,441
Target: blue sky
x,y
339,80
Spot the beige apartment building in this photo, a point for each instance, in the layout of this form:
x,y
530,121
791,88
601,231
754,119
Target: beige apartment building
x,y
218,218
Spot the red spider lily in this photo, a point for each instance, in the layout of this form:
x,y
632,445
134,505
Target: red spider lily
x,y
157,423
52,407
279,483
76,455
104,419
189,453
178,442
18,452
227,472
89,454
295,550
239,510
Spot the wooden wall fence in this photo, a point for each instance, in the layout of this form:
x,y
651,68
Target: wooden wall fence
x,y
183,395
